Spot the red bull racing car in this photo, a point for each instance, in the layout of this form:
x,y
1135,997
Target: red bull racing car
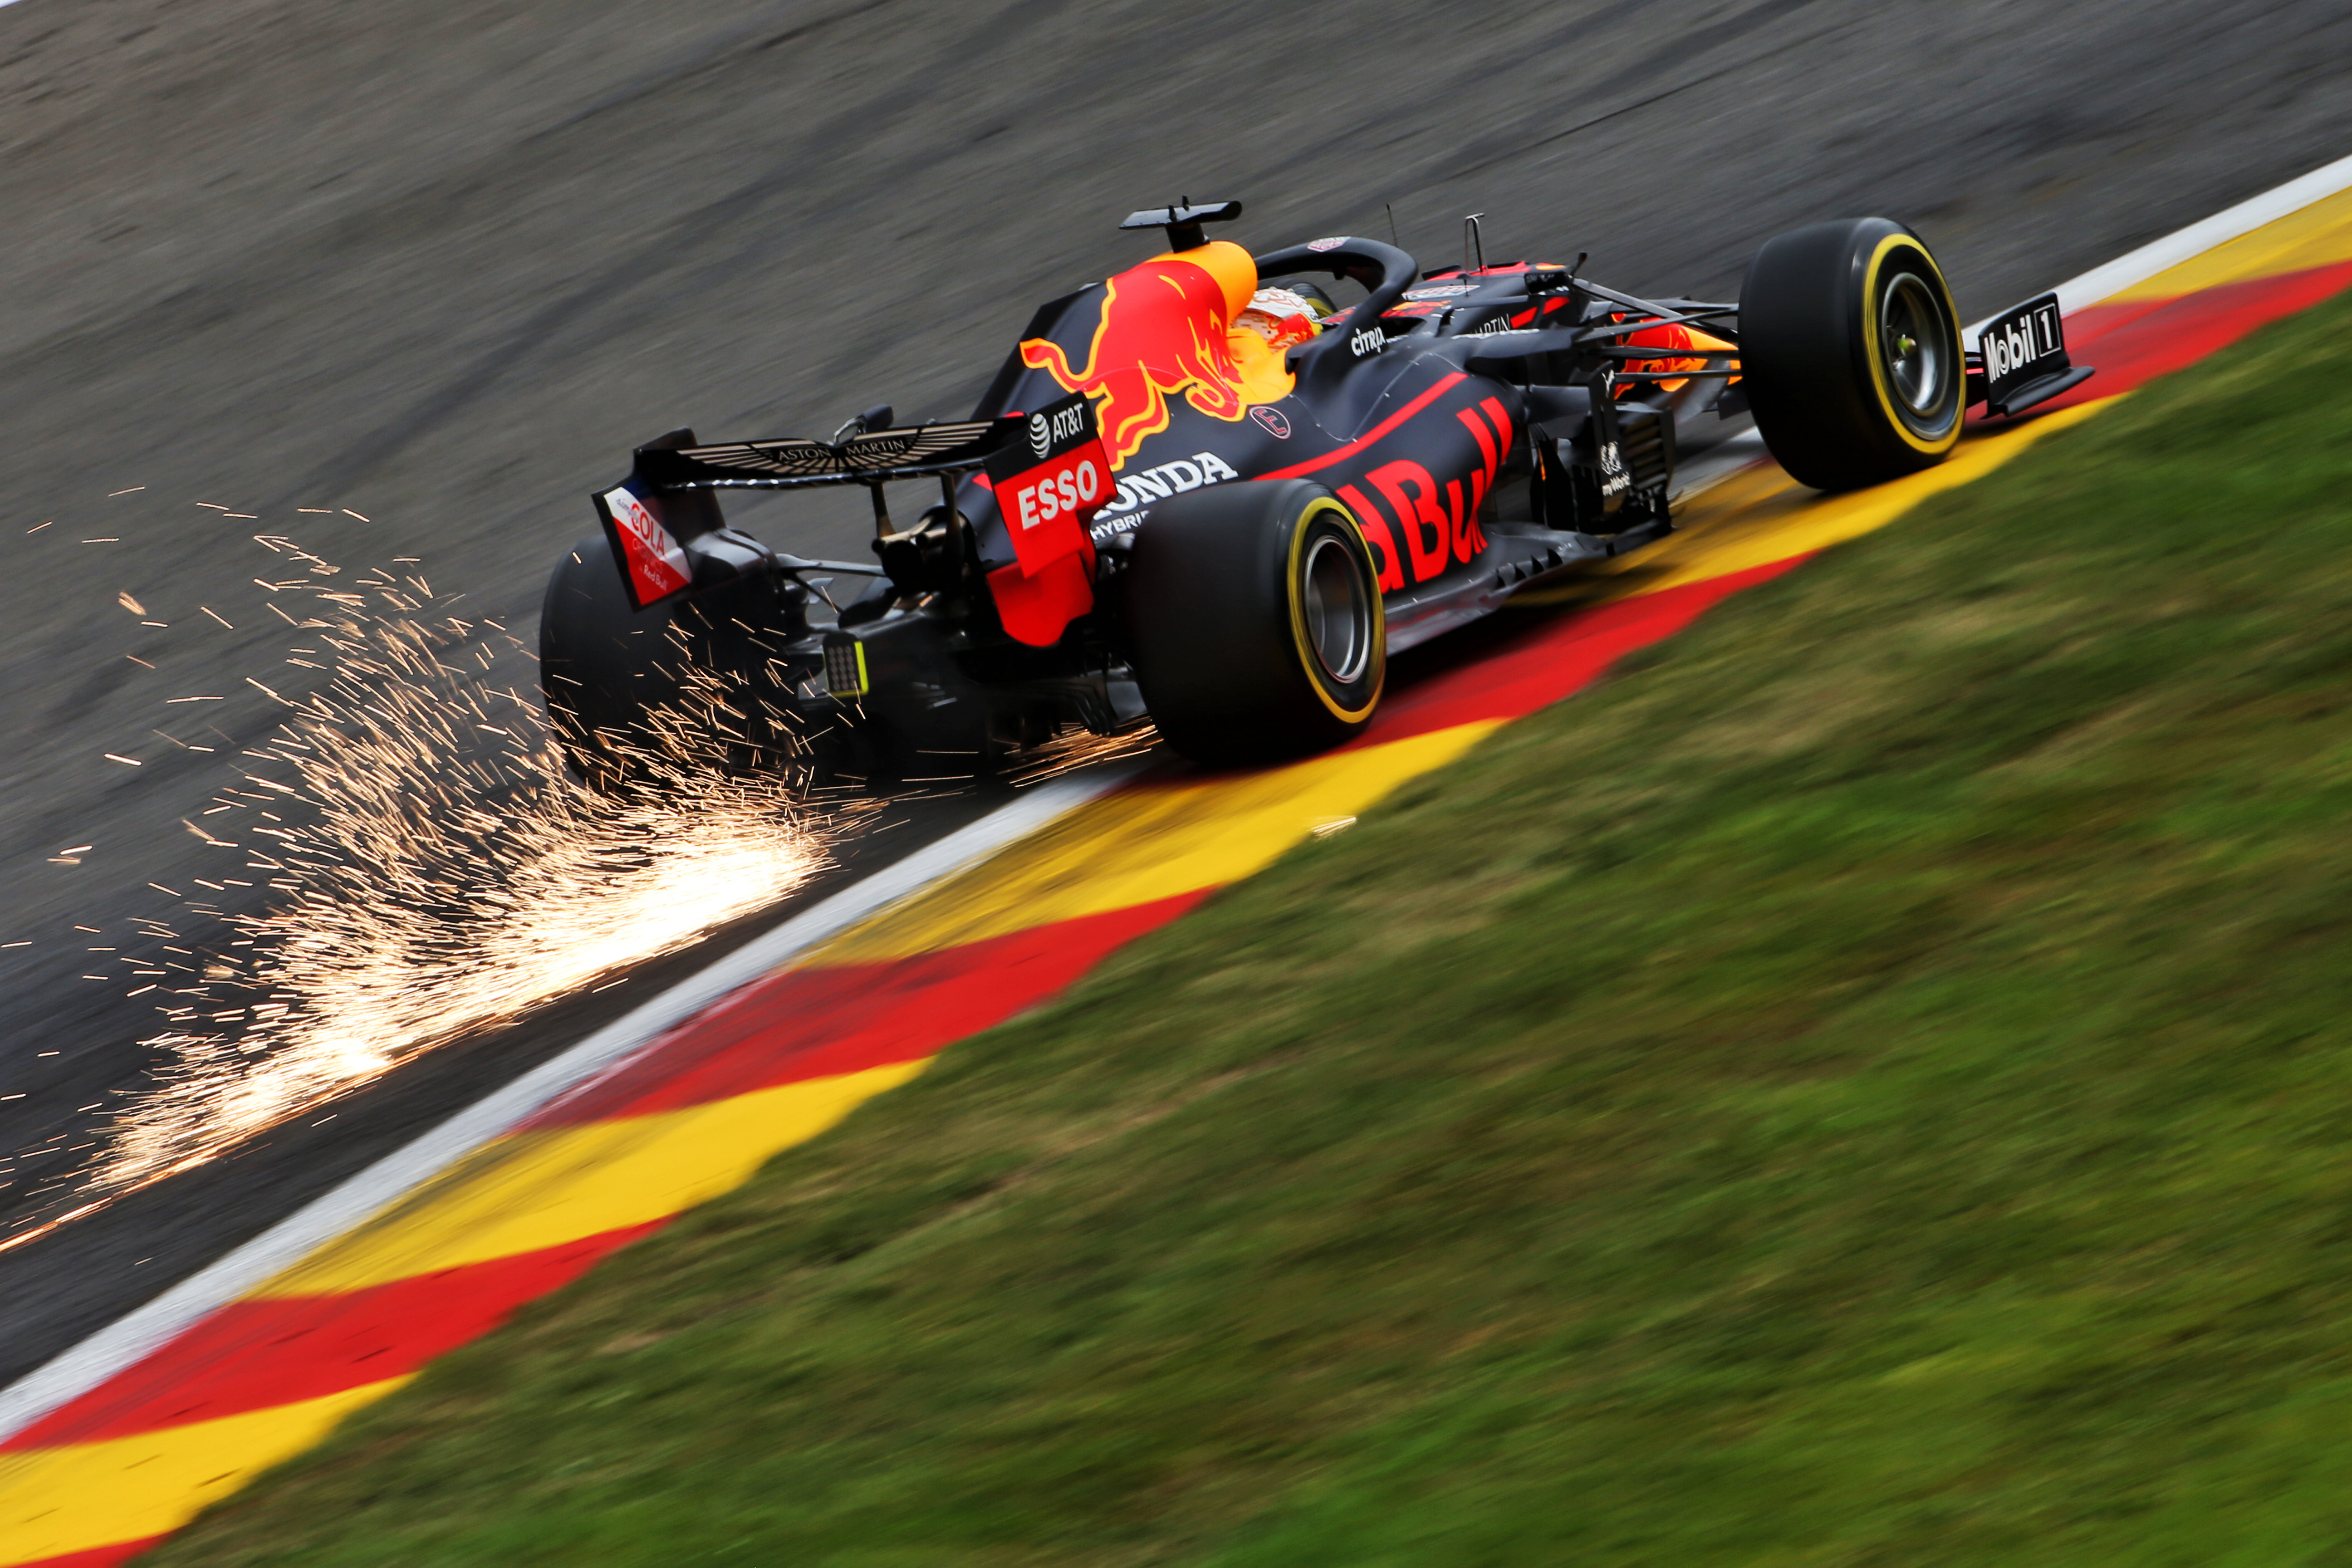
x,y
1208,493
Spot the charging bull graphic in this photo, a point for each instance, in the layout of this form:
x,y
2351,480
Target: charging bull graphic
x,y
1163,332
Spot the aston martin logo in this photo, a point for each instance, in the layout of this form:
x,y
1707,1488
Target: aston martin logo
x,y
797,457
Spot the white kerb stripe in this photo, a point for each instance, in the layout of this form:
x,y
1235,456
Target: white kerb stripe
x,y
2185,245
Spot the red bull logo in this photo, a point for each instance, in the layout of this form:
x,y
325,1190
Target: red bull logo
x,y
1162,333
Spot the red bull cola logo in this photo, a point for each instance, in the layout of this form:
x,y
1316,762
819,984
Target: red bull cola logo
x,y
1162,333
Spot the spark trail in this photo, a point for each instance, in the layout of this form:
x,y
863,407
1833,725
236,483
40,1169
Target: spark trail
x,y
437,873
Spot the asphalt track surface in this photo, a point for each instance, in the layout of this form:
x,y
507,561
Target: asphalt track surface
x,y
445,265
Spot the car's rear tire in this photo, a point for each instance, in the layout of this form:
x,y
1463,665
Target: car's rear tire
x,y
1254,610
1850,351
620,682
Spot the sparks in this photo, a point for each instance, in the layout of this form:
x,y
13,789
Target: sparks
x,y
435,876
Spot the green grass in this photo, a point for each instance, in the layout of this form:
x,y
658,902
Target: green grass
x,y
1872,1085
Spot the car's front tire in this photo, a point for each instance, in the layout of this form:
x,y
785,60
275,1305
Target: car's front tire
x,y
1254,611
1850,352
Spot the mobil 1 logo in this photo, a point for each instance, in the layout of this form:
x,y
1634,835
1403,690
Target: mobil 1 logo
x,y
2021,346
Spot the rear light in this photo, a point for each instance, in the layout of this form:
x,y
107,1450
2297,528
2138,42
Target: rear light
x,y
844,667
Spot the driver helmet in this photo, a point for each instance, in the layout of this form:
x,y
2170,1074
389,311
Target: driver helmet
x,y
1285,316
1313,293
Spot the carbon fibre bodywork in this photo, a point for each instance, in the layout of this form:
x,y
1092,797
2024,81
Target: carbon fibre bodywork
x,y
1486,426
1451,417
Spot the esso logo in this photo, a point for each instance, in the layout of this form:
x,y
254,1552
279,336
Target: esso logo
x,y
1041,434
1333,243
1072,489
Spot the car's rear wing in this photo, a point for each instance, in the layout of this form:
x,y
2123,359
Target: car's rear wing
x,y
668,537
877,456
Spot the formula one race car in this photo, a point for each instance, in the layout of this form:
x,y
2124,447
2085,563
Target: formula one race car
x,y
1206,493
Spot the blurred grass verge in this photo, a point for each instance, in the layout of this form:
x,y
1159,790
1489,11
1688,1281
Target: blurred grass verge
x,y
1872,1085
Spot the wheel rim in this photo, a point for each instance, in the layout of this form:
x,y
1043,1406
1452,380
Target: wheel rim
x,y
1338,624
1914,345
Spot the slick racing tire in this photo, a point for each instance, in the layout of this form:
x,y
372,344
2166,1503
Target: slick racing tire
x,y
616,679
1850,351
1254,610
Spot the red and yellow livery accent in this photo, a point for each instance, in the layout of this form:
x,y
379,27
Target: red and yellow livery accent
x,y
1168,329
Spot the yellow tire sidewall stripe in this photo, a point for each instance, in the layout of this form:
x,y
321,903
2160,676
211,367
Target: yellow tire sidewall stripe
x,y
1292,592
1870,348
